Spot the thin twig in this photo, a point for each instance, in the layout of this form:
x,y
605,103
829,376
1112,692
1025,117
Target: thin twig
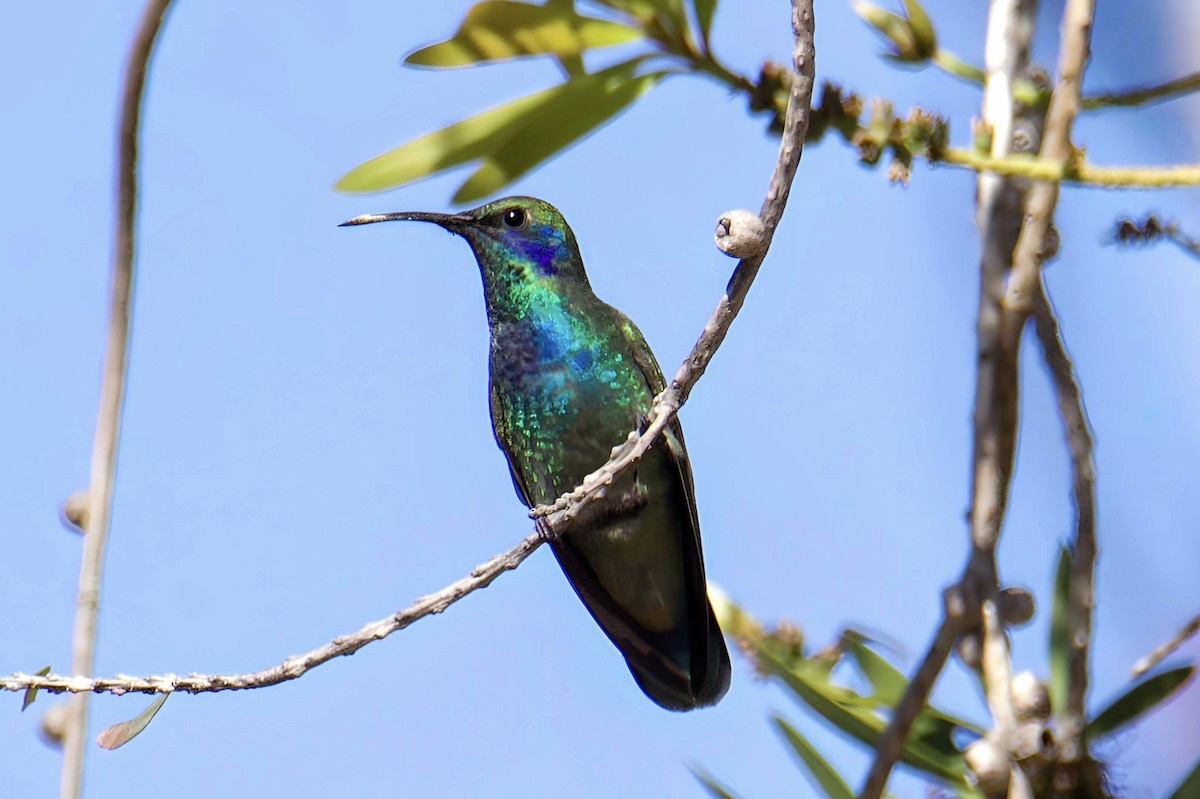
x,y
997,676
480,577
663,409
1006,57
1010,30
112,390
667,404
1163,91
997,671
1079,441
1025,293
1161,651
1030,94
916,693
1077,171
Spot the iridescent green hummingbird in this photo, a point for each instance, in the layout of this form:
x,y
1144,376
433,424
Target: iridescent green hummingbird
x,y
570,377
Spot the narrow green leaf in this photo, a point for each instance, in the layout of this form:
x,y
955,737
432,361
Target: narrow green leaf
x,y
711,785
572,66
674,10
887,682
892,26
31,692
474,137
580,108
818,767
1060,644
499,29
126,731
461,142
641,10
1137,701
829,701
704,17
1190,787
924,36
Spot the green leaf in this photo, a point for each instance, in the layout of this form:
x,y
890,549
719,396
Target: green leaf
x,y
1137,701
704,17
31,692
1060,644
819,769
1190,787
928,748
641,10
924,36
572,66
499,29
710,783
487,133
888,685
887,682
461,142
581,107
126,731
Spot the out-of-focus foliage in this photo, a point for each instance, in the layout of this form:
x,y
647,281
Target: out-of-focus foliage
x,y
936,742
516,136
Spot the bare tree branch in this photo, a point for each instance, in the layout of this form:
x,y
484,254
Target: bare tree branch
x,y
112,390
997,673
891,743
664,408
1156,655
480,577
1006,58
667,404
1025,294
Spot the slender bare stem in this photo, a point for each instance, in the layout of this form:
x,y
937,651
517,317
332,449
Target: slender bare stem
x,y
891,743
664,408
1006,57
480,577
1133,97
1164,649
667,404
997,673
1077,171
1025,294
997,669
112,390
1083,551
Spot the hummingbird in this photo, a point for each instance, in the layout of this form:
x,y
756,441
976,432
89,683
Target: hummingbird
x,y
570,376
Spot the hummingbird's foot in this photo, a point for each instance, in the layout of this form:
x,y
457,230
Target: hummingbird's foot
x,y
544,529
641,423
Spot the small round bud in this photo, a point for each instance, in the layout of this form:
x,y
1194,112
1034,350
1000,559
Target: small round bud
x,y
989,764
1016,606
75,511
54,724
1030,698
740,234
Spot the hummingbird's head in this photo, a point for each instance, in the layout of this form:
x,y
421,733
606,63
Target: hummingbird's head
x,y
523,237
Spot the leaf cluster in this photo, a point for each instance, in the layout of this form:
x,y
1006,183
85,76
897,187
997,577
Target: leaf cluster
x,y
934,747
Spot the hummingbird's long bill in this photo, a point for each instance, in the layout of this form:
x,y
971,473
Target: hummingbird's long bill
x,y
445,220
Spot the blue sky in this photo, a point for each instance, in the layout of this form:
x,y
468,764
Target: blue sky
x,y
307,444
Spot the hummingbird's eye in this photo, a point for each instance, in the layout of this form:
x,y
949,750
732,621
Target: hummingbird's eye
x,y
514,217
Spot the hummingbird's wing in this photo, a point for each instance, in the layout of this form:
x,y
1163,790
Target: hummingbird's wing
x,y
710,668
635,560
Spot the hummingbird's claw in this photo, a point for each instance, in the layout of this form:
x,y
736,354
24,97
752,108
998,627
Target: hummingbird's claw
x,y
544,529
